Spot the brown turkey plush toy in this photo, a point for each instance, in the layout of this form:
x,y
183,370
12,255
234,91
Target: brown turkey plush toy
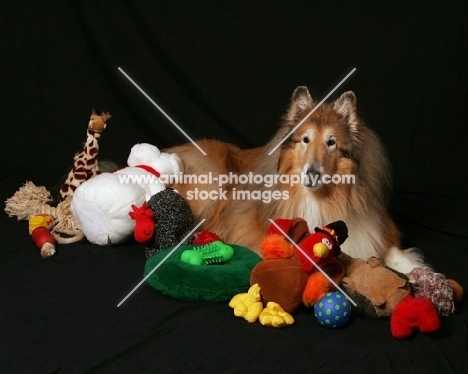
x,y
286,275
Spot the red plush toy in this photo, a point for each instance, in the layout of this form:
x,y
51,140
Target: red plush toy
x,y
322,247
144,223
205,237
411,313
299,276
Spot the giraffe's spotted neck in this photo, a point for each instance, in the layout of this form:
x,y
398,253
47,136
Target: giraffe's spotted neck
x,y
85,164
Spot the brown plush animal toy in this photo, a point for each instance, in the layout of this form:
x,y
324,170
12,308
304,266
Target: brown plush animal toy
x,y
279,274
375,288
315,250
378,289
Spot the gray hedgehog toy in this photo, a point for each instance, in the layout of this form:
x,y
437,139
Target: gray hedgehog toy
x,y
173,219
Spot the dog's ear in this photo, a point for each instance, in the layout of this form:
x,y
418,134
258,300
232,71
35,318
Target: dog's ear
x,y
301,103
346,107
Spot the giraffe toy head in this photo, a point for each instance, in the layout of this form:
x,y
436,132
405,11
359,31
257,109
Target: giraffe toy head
x,y
98,122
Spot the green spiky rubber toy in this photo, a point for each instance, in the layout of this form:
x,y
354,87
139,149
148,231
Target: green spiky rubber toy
x,y
213,253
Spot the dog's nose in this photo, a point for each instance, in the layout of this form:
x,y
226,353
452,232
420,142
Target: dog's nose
x,y
313,177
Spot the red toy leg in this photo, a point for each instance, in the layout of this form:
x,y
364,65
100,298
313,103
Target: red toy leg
x,y
429,321
400,329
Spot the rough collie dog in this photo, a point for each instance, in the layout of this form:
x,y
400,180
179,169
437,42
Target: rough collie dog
x,y
331,145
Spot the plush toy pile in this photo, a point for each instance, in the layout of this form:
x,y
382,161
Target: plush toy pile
x,y
32,202
291,258
101,205
104,207
288,279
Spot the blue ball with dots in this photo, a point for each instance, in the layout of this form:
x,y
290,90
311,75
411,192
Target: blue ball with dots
x,y
333,310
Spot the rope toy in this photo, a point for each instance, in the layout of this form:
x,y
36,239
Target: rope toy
x,y
31,200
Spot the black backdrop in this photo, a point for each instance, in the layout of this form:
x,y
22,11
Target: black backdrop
x,y
222,70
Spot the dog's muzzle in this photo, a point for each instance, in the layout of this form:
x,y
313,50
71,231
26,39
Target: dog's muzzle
x,y
312,178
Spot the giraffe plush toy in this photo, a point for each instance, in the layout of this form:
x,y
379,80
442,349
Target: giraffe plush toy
x,y
85,165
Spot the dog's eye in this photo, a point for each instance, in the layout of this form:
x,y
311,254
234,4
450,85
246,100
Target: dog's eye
x,y
306,140
331,142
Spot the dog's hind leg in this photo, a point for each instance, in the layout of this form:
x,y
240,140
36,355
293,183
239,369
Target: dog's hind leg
x,y
404,260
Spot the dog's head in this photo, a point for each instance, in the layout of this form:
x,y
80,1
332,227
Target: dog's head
x,y
323,140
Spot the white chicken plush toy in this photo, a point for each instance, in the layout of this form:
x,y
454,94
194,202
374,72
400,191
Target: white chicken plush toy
x,y
101,205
